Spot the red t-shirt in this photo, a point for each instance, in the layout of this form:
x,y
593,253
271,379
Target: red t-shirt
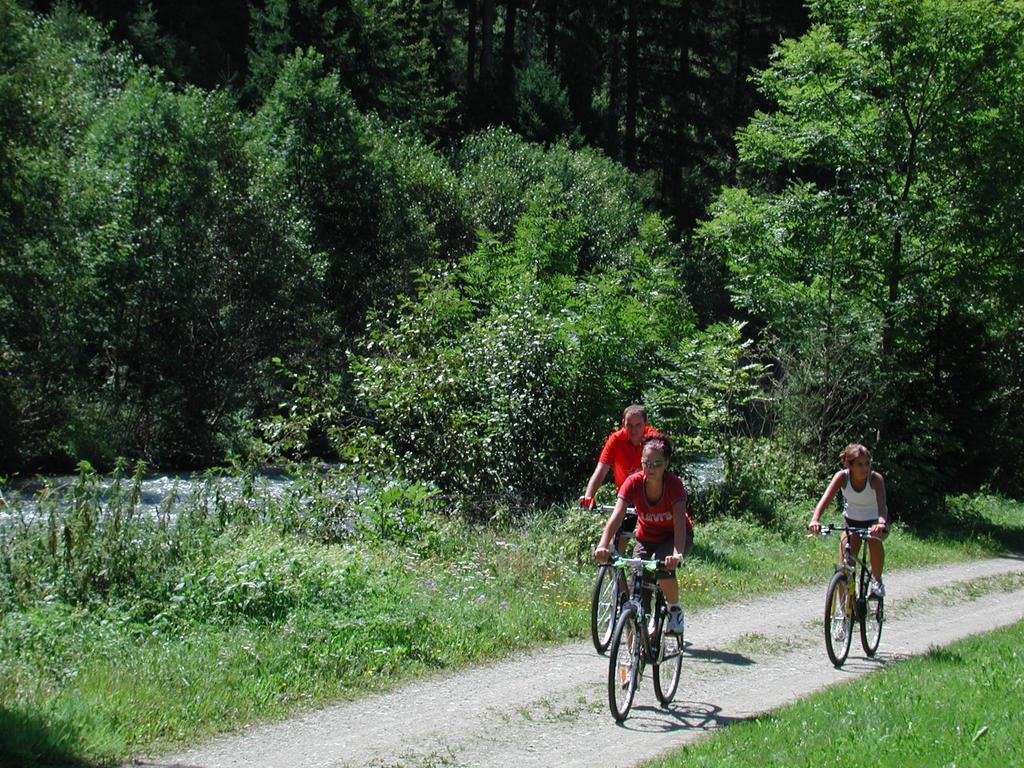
x,y
621,455
654,521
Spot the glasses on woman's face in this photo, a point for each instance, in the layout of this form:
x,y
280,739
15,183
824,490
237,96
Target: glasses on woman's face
x,y
653,464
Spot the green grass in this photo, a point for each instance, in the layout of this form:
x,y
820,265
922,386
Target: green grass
x,y
251,616
101,686
956,706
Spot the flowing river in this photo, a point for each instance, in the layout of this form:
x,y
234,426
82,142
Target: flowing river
x,y
165,493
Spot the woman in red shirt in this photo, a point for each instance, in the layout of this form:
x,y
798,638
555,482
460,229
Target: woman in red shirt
x,y
663,527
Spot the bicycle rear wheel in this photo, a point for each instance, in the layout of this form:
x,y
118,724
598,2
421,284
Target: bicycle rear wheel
x,y
623,664
871,619
604,603
667,670
838,619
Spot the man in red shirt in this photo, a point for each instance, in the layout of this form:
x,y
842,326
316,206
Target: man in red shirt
x,y
621,452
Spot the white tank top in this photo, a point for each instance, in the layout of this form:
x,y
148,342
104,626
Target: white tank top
x,y
860,505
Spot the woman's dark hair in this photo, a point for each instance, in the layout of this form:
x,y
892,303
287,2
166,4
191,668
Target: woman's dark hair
x,y
661,442
852,452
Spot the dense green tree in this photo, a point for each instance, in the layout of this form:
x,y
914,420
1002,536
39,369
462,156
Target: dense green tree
x,y
863,206
503,373
161,249
542,106
384,52
195,283
370,217
56,74
660,85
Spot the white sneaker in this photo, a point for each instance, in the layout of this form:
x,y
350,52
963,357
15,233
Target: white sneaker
x,y
877,588
674,626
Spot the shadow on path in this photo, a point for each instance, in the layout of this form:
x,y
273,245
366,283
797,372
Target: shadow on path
x,y
714,656
677,716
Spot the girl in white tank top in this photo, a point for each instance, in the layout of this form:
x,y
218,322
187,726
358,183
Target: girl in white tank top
x,y
866,506
861,505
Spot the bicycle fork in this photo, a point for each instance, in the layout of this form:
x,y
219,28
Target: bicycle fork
x,y
851,602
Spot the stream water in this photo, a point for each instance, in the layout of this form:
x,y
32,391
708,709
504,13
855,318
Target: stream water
x,y
165,492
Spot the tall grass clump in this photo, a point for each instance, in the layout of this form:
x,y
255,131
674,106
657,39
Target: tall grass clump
x,y
85,543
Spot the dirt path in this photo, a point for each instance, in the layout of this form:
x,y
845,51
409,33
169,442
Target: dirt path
x,y
550,707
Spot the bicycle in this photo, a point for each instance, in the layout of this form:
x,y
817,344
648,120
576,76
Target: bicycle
x,y
633,645
607,596
844,605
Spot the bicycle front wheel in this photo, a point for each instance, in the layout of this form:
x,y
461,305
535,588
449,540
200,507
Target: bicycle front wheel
x,y
670,664
623,664
838,619
871,620
603,607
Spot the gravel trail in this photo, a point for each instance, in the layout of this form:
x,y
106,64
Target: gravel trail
x,y
550,707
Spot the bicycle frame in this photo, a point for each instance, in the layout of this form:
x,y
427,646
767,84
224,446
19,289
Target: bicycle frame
x,y
856,597
848,599
634,645
621,536
635,598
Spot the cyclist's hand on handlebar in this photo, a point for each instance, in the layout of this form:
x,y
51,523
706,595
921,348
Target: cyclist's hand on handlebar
x,y
814,528
879,530
587,502
673,561
601,553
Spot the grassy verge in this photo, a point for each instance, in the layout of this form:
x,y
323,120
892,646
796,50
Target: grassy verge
x,y
236,614
956,706
101,685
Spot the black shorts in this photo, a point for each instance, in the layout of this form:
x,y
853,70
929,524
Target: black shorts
x,y
628,523
656,549
860,523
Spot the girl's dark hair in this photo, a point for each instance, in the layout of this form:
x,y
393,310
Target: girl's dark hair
x,y
851,452
661,442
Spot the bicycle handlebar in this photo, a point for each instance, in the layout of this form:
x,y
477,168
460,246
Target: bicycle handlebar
x,y
627,562
864,533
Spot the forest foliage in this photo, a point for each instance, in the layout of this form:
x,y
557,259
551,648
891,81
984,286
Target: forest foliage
x,y
453,240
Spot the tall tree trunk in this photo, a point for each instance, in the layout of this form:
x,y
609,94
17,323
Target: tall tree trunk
x,y
487,44
508,55
632,86
892,278
893,271
739,81
678,158
551,11
471,46
611,128
528,32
